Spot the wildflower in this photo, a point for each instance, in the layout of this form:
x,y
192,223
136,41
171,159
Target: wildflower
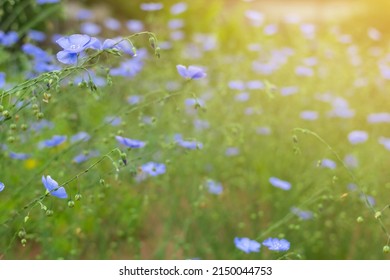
x,y
304,215
128,68
53,188
275,244
19,156
153,168
191,145
191,73
112,23
56,140
232,151
135,25
247,245
85,156
134,99
309,115
8,39
36,35
90,28
178,8
276,182
130,143
214,187
378,118
73,45
81,136
119,44
328,163
41,2
84,14
2,79
151,6
357,136
112,120
2,186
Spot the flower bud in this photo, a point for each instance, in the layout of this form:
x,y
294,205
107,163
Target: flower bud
x,y
378,215
70,203
49,213
22,234
152,42
386,249
360,219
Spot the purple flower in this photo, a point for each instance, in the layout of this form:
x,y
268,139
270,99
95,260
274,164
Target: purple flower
x,y
135,25
8,39
2,79
18,156
304,215
214,187
191,73
379,118
53,188
232,151
285,91
191,145
133,99
73,45
90,28
128,68
86,156
309,115
153,168
247,245
304,71
81,136
130,143
275,244
41,2
112,23
112,120
119,44
328,163
56,140
2,186
36,35
178,8
278,183
151,6
357,136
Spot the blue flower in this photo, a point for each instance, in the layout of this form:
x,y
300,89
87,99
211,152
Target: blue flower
x,y
2,79
81,136
41,2
191,145
247,245
19,156
130,143
73,45
276,182
120,44
135,25
275,244
85,156
357,136
8,39
304,215
153,168
151,6
178,8
191,73
128,68
56,140
112,23
36,35
90,28
328,163
214,187
1,186
53,188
